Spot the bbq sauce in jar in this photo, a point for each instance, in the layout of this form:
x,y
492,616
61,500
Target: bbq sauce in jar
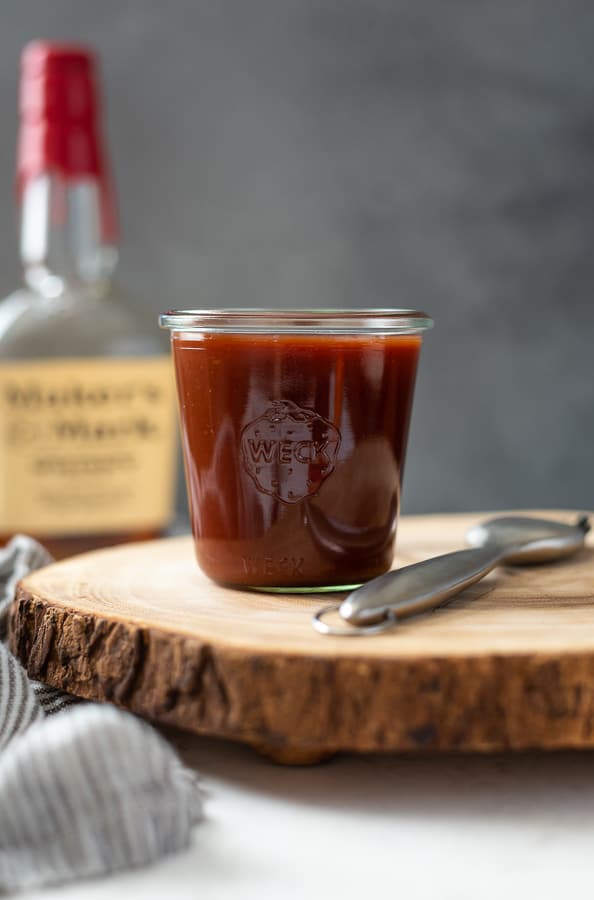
x,y
294,447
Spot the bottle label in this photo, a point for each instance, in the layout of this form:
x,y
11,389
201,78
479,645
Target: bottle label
x,y
87,446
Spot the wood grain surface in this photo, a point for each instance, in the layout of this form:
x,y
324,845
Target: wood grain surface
x,y
508,664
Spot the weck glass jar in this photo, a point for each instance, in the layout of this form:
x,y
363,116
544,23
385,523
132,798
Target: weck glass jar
x,y
294,428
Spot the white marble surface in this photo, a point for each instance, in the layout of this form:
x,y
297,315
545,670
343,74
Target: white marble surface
x,y
441,828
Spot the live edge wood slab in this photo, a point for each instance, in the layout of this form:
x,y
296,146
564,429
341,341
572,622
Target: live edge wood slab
x,y
507,665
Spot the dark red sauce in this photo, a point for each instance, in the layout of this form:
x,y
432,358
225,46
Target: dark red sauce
x,y
294,450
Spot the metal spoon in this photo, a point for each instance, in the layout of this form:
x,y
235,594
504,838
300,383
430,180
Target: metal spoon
x,y
512,540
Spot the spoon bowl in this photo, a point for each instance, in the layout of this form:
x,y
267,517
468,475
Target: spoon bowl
x,y
526,541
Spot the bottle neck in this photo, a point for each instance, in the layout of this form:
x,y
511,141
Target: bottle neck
x,y
63,245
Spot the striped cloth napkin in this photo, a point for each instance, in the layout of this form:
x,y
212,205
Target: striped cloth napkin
x,y
85,789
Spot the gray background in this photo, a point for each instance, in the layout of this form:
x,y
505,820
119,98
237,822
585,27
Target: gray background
x,y
426,154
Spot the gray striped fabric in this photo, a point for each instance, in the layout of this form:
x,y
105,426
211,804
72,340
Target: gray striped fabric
x,y
85,790
21,556
19,707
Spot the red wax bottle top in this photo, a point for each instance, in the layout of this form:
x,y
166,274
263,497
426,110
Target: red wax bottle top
x,y
294,447
60,119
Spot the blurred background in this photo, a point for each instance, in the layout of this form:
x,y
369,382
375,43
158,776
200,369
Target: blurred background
x,y
411,153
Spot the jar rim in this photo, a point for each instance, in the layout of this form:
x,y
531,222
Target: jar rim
x,y
296,321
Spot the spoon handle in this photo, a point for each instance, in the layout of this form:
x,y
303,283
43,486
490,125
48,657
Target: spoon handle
x,y
417,588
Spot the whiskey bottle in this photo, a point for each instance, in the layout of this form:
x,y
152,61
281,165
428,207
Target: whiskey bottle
x,y
87,415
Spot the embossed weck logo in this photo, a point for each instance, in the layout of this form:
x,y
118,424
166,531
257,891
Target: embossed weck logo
x,y
289,451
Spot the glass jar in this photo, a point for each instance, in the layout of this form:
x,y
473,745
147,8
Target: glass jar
x,y
294,428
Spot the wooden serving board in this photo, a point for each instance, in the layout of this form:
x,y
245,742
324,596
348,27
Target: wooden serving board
x,y
508,664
